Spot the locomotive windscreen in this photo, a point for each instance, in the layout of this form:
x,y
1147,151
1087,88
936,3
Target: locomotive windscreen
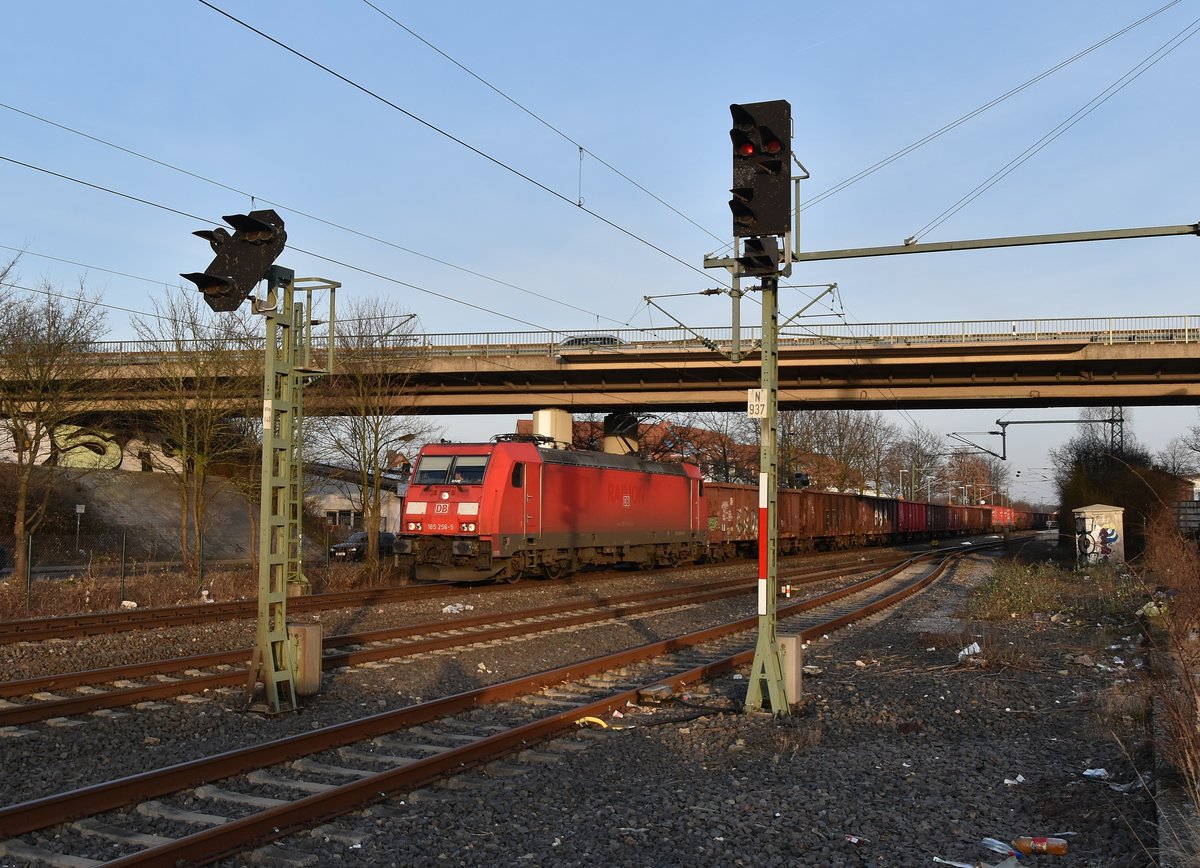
x,y
450,470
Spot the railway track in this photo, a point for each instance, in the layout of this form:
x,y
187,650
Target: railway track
x,y
101,623
198,674
210,808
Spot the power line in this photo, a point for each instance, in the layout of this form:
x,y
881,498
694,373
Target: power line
x,y
200,219
908,149
298,211
49,293
582,150
25,252
434,128
1104,96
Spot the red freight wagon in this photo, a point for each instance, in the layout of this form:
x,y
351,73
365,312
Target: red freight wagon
x,y
883,518
506,509
911,519
942,519
864,521
834,518
1005,517
975,519
792,521
732,520
733,511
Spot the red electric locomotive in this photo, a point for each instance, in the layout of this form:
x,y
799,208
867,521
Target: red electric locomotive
x,y
506,509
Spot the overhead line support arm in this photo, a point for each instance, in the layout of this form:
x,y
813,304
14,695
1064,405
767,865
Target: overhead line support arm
x,y
1011,241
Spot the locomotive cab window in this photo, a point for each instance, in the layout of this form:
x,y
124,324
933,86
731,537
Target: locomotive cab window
x,y
518,475
432,470
450,470
468,469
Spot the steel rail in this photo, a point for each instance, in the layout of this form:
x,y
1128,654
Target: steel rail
x,y
50,810
274,823
67,626
589,611
28,686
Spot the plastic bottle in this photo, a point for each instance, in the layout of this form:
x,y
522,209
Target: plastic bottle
x,y
1038,846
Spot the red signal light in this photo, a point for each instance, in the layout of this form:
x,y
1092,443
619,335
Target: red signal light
x,y
772,146
745,149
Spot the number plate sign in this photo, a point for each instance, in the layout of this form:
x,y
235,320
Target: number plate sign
x,y
756,404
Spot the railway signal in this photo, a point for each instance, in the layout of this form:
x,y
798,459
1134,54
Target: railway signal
x,y
242,259
761,137
760,256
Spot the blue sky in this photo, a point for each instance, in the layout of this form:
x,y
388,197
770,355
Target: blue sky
x,y
492,239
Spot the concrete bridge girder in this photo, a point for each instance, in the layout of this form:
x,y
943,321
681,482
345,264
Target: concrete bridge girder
x,y
875,376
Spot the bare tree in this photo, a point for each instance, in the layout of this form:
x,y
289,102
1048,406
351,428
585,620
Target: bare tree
x,y
199,424
1096,467
838,449
917,453
48,369
797,444
587,433
845,438
727,447
375,357
879,437
1179,457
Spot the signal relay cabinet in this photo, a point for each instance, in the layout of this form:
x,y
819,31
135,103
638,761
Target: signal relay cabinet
x,y
1100,534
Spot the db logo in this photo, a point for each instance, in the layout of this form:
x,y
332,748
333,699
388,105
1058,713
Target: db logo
x,y
441,508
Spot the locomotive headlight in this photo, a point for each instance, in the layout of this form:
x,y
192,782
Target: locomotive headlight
x,y
469,527
414,525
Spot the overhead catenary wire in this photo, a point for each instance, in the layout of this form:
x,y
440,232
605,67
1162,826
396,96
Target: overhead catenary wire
x,y
436,129
581,148
384,241
556,300
303,213
1095,102
908,149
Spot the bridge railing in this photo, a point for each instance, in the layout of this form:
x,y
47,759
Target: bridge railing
x,y
1180,328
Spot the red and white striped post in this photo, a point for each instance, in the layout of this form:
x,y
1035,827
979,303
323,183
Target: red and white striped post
x,y
766,672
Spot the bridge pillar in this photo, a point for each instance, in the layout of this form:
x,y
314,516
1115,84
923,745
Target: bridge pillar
x,y
558,425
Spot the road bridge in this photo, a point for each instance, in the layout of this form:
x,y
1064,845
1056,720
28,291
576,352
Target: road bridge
x,y
999,363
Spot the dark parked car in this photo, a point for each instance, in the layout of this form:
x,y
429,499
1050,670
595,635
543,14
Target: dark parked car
x,y
354,547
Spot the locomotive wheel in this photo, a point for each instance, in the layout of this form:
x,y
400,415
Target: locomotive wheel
x,y
514,570
554,569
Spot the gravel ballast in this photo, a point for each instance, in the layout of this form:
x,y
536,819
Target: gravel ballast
x,y
898,752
